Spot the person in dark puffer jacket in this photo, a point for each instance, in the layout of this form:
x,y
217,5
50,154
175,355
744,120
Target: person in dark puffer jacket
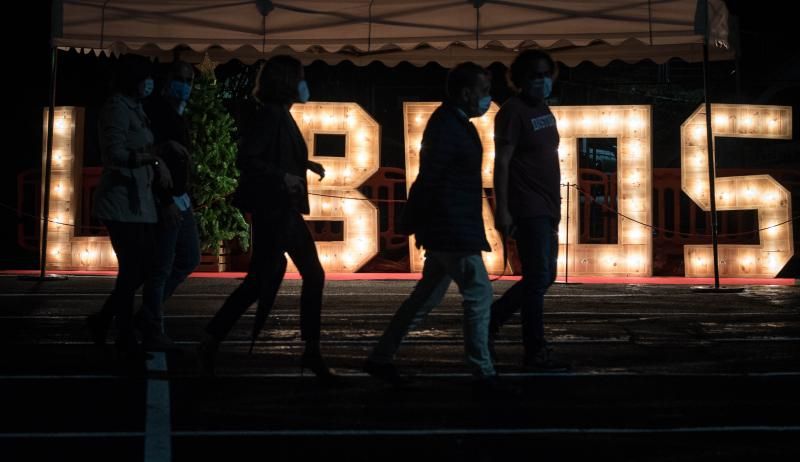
x,y
444,212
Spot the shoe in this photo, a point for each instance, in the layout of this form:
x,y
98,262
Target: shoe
x,y
98,328
386,372
206,356
129,351
312,360
157,341
543,361
491,387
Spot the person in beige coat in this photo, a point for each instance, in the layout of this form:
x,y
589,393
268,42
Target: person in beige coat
x,y
124,199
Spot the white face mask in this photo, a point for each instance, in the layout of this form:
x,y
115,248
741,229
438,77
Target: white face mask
x,y
303,94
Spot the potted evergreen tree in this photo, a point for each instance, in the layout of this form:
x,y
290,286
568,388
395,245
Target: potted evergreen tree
x,y
211,130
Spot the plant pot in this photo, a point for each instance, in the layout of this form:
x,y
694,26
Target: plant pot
x,y
211,263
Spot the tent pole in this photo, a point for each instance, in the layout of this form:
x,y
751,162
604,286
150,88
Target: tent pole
x,y
47,161
712,175
712,166
47,170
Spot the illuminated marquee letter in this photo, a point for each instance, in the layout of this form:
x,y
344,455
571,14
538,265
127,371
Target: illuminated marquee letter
x,y
415,117
760,192
630,125
66,251
336,197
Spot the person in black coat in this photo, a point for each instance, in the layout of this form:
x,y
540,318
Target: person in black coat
x,y
177,251
273,160
444,212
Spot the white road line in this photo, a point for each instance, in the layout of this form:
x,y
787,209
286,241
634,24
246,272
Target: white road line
x,y
422,432
537,375
489,431
157,439
72,435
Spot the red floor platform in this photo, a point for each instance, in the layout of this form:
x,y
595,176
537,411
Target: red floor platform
x,y
414,276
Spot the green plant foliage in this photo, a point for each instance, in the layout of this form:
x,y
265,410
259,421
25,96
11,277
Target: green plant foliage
x,y
213,146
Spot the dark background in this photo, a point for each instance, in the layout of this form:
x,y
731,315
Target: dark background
x,y
767,72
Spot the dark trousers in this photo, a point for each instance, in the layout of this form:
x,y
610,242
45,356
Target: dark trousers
x,y
272,237
177,255
134,244
537,244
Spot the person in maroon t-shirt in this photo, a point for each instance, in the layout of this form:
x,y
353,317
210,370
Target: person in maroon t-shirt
x,y
528,208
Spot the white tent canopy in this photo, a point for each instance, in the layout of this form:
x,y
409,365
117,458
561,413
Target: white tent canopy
x,y
391,31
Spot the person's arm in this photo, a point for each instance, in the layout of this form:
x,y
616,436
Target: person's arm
x,y
114,126
502,160
435,155
433,164
260,153
506,135
317,168
257,156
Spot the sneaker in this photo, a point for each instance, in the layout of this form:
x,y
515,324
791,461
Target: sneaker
x,y
385,371
543,361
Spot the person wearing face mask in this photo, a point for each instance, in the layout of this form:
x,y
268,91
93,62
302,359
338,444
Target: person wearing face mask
x,y
124,199
273,160
177,242
444,212
528,201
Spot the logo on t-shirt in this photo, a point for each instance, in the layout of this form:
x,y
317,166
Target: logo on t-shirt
x,y
544,121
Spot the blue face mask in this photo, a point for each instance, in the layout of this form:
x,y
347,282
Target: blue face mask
x,y
540,88
146,88
483,105
302,92
180,90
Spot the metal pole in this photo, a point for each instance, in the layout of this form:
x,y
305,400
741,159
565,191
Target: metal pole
x,y
566,244
712,166
45,215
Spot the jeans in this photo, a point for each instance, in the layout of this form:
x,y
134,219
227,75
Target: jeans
x,y
440,268
177,255
537,243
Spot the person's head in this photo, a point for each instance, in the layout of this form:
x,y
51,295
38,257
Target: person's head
x,y
178,82
533,73
468,86
281,79
134,76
